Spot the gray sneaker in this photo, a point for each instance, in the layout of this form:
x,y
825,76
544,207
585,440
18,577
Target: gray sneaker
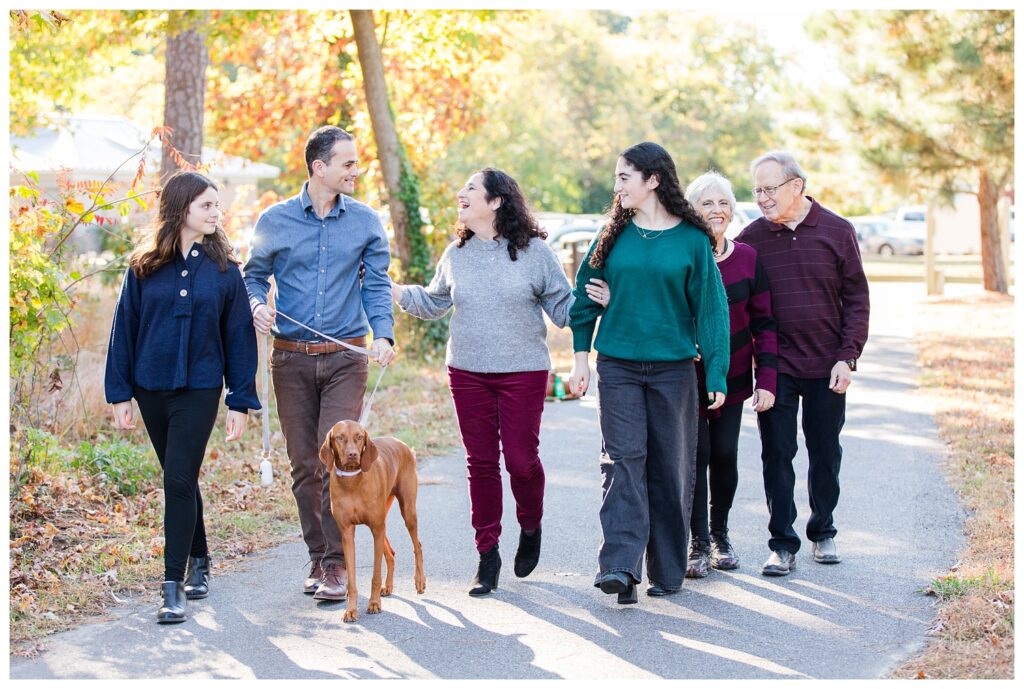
x,y
779,564
825,552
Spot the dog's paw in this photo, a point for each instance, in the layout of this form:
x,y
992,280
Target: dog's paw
x,y
373,608
351,615
421,584
386,589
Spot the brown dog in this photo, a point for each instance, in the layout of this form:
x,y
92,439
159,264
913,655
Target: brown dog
x,y
366,477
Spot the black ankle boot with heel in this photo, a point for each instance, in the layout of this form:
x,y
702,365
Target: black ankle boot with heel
x,y
173,608
486,579
528,554
197,577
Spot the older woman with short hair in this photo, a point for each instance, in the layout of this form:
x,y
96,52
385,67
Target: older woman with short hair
x,y
753,337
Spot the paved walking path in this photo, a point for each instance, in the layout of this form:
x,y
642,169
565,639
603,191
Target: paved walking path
x,y
899,526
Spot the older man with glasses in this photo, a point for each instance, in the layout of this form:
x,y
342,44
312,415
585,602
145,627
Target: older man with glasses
x,y
820,301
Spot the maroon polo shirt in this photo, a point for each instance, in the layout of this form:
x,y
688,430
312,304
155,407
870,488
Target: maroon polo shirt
x,y
819,291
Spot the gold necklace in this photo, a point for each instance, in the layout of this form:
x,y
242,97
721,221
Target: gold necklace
x,y
649,234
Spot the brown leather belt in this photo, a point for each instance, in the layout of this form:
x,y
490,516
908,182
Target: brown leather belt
x,y
314,348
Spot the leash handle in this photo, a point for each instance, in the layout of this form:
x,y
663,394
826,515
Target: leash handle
x,y
266,468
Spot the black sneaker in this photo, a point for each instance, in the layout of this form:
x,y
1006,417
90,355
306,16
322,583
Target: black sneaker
x,y
722,554
699,560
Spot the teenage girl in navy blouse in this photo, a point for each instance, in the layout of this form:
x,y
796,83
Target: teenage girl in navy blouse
x,y
182,331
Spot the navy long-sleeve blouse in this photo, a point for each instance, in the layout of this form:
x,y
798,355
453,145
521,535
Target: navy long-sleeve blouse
x,y
186,326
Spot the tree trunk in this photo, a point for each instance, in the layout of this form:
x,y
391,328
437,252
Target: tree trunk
x,y
184,88
371,62
993,263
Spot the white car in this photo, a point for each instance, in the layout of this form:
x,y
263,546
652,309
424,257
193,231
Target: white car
x,y
745,213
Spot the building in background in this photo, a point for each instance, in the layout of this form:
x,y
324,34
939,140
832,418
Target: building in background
x,y
79,149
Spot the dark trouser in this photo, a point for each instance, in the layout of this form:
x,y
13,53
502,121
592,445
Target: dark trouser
x,y
648,414
313,393
501,408
717,448
179,423
824,413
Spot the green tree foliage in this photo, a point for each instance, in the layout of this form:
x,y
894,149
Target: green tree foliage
x,y
931,104
699,91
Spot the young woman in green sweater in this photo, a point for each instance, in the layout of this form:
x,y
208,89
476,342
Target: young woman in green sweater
x,y
667,299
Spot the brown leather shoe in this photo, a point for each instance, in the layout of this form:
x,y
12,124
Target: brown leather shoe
x,y
312,583
334,583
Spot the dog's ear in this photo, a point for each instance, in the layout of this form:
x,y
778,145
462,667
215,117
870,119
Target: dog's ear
x,y
327,455
369,455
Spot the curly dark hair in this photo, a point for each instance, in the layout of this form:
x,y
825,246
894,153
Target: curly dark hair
x,y
649,159
161,243
512,220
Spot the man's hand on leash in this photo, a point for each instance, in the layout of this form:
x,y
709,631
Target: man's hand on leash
x,y
384,353
263,318
840,379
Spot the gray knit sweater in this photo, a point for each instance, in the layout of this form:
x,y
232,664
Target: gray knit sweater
x,y
498,324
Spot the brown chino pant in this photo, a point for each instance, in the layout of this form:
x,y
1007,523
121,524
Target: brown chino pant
x,y
313,393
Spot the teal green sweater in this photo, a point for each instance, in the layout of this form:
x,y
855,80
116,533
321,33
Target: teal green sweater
x,y
666,298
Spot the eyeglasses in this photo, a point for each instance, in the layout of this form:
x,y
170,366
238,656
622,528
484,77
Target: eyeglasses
x,y
770,191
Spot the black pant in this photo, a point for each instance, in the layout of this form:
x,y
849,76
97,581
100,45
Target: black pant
x,y
717,448
648,416
179,423
824,413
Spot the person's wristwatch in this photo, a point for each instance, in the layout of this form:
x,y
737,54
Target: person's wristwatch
x,y
852,363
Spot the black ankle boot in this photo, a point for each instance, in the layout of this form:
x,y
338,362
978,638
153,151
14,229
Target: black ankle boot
x,y
528,553
173,609
486,579
197,577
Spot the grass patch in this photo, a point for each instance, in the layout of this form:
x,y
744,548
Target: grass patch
x,y
968,371
86,514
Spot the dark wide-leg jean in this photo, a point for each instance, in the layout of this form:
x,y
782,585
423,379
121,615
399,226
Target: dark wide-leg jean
x,y
824,413
648,415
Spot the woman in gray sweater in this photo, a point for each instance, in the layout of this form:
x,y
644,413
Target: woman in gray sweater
x,y
500,277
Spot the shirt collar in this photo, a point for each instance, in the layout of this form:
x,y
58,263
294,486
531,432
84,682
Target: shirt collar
x,y
307,203
810,221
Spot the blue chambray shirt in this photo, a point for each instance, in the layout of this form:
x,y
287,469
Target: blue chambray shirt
x,y
316,265
186,326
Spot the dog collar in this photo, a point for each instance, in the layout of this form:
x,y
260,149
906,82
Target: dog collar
x,y
346,474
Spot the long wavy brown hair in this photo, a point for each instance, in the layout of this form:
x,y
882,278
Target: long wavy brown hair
x,y
160,244
512,220
648,158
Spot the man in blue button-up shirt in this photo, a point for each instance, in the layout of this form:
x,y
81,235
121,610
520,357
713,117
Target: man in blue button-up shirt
x,y
313,245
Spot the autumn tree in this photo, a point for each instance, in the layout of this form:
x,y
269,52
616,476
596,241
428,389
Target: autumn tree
x,y
931,104
402,186
185,64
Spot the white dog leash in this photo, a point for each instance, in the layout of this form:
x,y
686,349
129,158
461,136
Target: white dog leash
x,y
365,416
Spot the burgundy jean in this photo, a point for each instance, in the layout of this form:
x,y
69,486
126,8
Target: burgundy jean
x,y
501,410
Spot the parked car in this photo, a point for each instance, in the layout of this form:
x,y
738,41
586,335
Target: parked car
x,y
572,228
745,213
882,236
571,247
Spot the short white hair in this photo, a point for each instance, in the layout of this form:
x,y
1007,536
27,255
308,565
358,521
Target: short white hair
x,y
790,168
708,182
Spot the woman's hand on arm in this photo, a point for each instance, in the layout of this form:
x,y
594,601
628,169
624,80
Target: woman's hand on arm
x,y
598,291
716,400
396,292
